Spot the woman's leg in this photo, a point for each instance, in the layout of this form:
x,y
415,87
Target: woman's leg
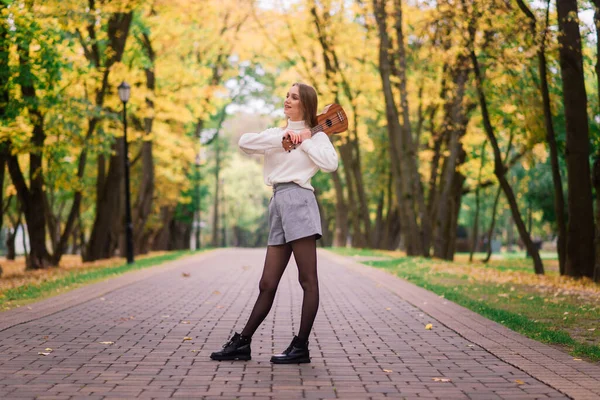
x,y
275,262
305,254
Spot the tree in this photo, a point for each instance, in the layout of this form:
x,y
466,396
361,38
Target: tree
x,y
580,228
499,169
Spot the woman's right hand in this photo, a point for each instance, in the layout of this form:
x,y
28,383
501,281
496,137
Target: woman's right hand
x,y
287,143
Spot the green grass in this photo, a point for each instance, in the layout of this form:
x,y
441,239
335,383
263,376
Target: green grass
x,y
553,318
516,255
32,292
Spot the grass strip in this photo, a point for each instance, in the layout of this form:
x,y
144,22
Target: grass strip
x,y
32,292
416,271
534,330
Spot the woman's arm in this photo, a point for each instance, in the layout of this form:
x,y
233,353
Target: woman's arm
x,y
321,151
258,143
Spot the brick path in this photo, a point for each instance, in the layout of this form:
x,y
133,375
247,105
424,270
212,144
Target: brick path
x,y
369,341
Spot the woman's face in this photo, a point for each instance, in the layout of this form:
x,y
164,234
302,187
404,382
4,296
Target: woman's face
x,y
292,106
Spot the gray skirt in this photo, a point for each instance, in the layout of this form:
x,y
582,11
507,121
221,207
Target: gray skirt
x,y
293,214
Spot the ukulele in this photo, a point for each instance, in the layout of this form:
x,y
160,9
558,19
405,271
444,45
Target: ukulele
x,y
331,120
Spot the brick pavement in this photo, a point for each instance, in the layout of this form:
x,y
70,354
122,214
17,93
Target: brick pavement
x,y
369,342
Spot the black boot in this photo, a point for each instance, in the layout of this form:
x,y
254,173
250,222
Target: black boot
x,y
238,348
296,353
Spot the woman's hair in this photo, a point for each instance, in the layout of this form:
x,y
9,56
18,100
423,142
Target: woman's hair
x,y
308,98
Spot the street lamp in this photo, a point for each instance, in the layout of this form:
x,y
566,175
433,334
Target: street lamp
x,y
124,92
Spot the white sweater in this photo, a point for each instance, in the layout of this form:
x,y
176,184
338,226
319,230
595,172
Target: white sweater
x,y
299,165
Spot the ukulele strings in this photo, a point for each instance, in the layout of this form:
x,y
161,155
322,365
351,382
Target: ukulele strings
x,y
321,127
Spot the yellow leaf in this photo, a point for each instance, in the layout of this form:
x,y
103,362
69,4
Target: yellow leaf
x,y
387,371
107,342
187,338
520,382
577,359
428,327
441,379
388,308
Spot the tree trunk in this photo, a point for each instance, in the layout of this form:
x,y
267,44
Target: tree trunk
x,y
596,180
32,197
143,203
118,31
499,169
475,230
455,121
105,232
580,234
559,201
492,225
349,151
459,181
402,177
160,241
4,100
409,158
596,175
341,216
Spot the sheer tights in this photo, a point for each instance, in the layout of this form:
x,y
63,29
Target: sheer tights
x,y
305,254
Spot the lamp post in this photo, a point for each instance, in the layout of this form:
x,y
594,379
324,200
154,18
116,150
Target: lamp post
x,y
124,92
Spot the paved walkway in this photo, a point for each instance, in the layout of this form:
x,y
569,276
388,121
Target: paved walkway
x,y
148,334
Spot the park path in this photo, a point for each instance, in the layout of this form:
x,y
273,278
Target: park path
x,y
151,337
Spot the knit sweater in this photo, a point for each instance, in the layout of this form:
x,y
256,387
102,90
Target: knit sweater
x,y
297,166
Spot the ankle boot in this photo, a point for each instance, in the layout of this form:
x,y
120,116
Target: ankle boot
x,y
296,353
237,348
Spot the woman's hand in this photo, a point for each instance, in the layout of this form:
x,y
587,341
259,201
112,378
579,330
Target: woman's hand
x,y
299,137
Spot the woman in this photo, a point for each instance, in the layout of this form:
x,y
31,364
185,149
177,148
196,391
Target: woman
x,y
294,221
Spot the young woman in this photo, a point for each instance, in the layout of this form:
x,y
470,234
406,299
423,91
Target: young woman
x,y
294,220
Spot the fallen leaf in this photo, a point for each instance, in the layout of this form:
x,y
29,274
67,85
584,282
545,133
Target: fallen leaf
x,y
107,342
592,329
387,370
428,327
216,292
577,359
470,345
165,316
520,382
48,349
185,322
43,354
187,338
388,308
441,379
185,274
102,299
245,268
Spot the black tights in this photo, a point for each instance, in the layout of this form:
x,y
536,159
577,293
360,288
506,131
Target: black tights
x,y
305,254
